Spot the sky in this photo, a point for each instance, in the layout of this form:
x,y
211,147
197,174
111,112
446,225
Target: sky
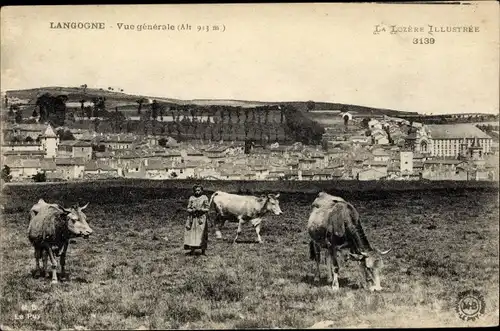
x,y
266,52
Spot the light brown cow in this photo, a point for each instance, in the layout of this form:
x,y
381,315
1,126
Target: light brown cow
x,y
334,224
242,209
50,228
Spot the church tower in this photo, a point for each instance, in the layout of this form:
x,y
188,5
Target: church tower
x,y
476,150
50,142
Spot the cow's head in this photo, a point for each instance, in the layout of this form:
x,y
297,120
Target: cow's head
x,y
77,221
371,266
273,204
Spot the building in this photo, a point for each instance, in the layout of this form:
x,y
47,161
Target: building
x,y
50,142
22,149
75,148
406,162
449,140
71,168
26,130
371,174
380,154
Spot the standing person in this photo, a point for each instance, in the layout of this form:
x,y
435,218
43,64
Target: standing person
x,y
196,231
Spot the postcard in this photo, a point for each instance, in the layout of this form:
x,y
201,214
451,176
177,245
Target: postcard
x,y
223,166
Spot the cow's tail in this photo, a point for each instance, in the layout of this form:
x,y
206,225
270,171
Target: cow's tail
x,y
210,204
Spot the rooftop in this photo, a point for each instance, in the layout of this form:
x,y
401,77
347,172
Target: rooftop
x,y
70,161
456,131
49,132
93,166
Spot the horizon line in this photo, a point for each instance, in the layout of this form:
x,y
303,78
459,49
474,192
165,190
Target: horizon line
x,y
2,91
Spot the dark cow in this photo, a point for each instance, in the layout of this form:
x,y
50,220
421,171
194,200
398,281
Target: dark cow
x,y
334,224
39,205
50,228
242,209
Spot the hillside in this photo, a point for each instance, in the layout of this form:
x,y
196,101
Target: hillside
x,y
120,99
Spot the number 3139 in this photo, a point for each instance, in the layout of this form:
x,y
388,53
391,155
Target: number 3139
x,y
424,41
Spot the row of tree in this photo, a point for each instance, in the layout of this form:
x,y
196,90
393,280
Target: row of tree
x,y
192,121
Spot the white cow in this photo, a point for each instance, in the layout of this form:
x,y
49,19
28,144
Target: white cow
x,y
242,209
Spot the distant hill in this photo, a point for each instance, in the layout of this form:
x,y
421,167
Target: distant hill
x,y
128,101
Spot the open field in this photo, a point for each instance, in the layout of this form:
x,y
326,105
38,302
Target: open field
x,y
133,272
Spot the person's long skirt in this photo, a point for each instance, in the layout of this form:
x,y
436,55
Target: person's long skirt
x,y
197,236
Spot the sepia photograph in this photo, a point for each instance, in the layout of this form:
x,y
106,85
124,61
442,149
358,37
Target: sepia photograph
x,y
249,166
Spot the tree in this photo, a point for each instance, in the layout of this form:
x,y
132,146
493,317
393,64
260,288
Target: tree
x,y
40,177
303,129
28,139
310,105
162,111
65,134
266,115
238,109
346,119
44,103
140,102
162,142
155,109
6,176
84,86
18,117
52,108
82,107
99,106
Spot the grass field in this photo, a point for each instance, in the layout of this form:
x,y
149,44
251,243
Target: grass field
x,y
134,274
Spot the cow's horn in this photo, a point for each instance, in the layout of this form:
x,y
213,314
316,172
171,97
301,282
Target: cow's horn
x,y
277,195
82,208
384,252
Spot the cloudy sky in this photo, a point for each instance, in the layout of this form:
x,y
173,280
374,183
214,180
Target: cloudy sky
x,y
272,52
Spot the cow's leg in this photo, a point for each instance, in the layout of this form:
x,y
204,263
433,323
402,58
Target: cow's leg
x,y
38,256
257,230
238,231
44,261
334,265
53,261
317,257
362,272
328,257
218,225
257,223
63,258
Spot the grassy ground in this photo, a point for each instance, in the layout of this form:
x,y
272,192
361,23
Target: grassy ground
x,y
133,272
